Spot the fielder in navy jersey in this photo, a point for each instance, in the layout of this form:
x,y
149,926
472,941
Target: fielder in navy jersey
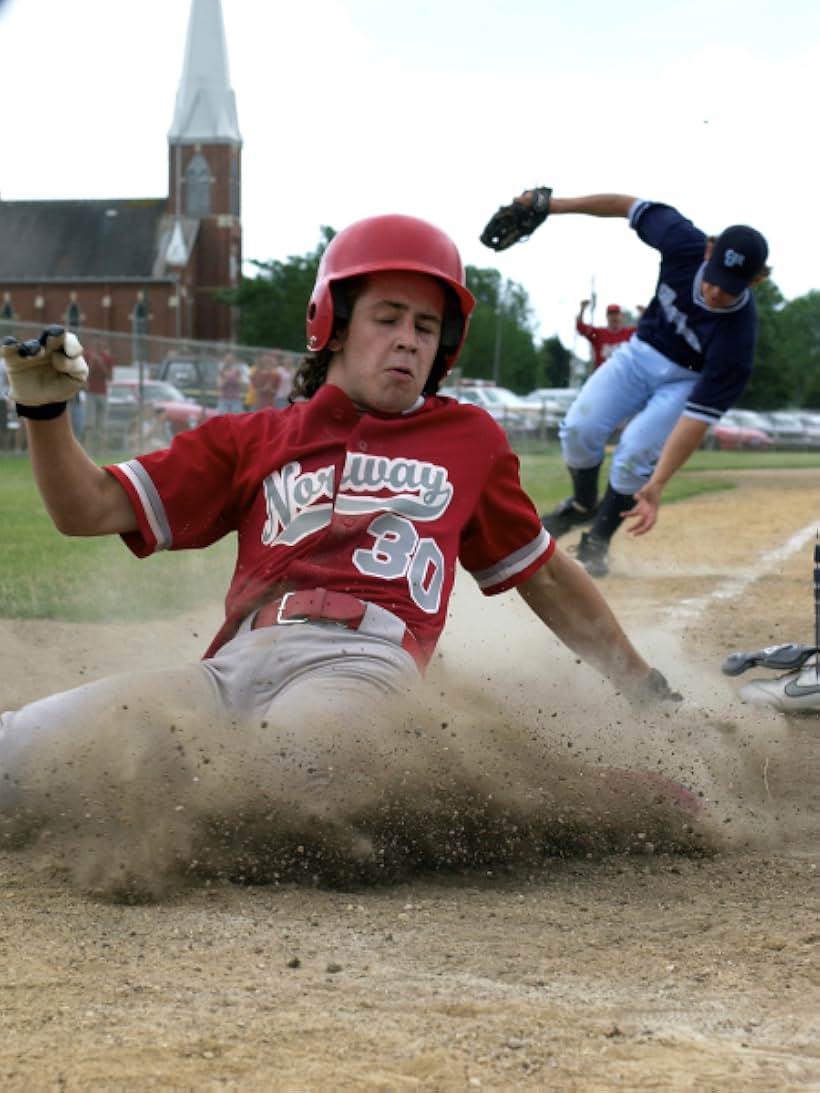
x,y
688,362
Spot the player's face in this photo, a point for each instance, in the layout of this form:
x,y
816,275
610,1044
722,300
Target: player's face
x,y
383,357
615,320
714,296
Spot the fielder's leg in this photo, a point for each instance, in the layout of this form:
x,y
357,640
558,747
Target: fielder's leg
x,y
608,397
668,386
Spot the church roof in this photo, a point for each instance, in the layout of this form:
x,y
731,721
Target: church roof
x,y
205,110
81,240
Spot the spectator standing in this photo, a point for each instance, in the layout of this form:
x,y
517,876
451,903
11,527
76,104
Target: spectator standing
x,y
284,385
264,383
100,373
230,386
604,339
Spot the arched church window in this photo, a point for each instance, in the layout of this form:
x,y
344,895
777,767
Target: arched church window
x,y
198,183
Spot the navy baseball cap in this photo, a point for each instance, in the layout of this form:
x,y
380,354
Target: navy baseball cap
x,y
738,255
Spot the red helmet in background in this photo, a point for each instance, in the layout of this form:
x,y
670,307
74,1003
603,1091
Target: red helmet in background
x,y
393,242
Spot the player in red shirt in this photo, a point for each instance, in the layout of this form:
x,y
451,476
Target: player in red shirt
x,y
351,509
604,339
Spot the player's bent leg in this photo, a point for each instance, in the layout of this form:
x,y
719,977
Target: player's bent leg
x,y
88,757
643,438
611,394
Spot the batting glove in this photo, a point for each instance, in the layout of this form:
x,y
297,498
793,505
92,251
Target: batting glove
x,y
47,369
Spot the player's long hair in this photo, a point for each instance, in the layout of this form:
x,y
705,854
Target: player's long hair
x,y
311,373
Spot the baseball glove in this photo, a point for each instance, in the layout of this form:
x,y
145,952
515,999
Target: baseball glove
x,y
516,222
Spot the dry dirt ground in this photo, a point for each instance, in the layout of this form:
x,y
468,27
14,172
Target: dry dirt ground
x,y
653,953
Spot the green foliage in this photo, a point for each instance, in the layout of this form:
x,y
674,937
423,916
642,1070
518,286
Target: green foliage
x,y
554,364
272,305
799,346
501,344
787,363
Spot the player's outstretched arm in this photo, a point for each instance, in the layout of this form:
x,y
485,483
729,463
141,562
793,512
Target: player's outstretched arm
x,y
569,602
80,497
43,374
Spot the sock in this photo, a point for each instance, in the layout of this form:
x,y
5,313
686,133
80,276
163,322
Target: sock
x,y
608,518
585,486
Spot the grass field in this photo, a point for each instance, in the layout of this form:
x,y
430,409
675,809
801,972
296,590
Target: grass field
x,y
46,575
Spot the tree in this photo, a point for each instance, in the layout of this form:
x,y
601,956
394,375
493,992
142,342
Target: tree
x,y
769,385
272,304
799,349
553,364
500,345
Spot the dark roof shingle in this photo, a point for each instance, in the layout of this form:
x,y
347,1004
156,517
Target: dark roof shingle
x,y
73,240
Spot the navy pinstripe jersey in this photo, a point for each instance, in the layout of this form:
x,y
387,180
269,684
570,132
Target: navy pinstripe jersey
x,y
718,344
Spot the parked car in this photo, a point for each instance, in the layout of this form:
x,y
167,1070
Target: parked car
x,y
551,404
197,378
811,424
165,412
786,429
730,434
500,403
752,419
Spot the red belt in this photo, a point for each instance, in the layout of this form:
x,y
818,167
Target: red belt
x,y
320,605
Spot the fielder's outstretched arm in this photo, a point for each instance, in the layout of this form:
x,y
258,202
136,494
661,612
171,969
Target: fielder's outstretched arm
x,y
683,441
80,497
568,601
606,205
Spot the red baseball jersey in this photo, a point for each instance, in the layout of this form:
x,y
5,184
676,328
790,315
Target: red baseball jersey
x,y
604,341
321,496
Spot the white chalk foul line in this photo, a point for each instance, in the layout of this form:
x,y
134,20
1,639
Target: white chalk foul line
x,y
735,585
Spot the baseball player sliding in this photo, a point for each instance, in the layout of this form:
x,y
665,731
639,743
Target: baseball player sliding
x,y
688,362
350,508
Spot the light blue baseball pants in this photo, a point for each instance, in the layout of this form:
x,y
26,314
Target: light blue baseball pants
x,y
639,383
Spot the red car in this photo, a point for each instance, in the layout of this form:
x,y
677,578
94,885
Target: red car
x,y
730,435
165,412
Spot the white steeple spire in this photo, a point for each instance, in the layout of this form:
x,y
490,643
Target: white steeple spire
x,y
205,110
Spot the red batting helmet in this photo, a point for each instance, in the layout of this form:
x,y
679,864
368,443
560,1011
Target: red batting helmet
x,y
390,243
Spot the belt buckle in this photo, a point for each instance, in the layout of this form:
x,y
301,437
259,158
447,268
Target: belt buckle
x,y
280,620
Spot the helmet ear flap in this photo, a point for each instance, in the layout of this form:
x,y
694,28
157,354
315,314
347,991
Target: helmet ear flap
x,y
452,327
342,304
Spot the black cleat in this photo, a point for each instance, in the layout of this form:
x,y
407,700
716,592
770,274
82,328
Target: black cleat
x,y
565,517
592,553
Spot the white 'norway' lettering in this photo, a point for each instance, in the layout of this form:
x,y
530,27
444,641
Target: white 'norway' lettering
x,y
291,502
420,490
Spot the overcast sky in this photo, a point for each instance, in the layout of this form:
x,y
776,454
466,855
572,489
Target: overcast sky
x,y
445,109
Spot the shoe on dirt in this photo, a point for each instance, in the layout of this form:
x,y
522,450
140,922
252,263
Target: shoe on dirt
x,y
566,516
592,553
795,692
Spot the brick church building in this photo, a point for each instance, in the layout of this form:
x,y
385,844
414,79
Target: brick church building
x,y
147,266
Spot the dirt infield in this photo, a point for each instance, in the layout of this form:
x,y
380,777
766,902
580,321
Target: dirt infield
x,y
569,963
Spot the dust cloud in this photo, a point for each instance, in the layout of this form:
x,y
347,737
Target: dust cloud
x,y
502,757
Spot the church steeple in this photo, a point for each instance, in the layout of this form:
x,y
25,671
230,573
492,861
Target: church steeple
x,y
205,171
205,111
